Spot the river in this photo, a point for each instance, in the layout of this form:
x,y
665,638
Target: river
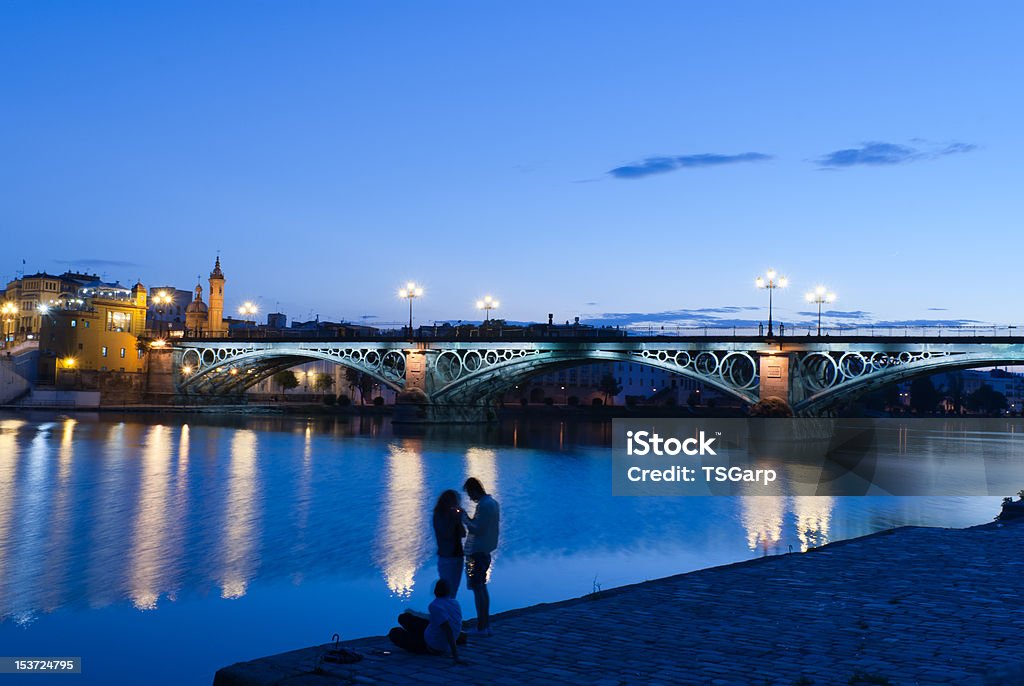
x,y
161,547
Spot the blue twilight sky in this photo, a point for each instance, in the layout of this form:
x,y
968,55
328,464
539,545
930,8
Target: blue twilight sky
x,y
589,158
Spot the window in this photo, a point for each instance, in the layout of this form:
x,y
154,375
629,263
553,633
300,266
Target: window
x,y
103,351
86,321
80,346
122,353
140,353
118,321
74,323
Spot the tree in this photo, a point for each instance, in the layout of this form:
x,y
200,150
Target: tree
x,y
955,391
986,400
610,387
286,380
323,382
923,395
361,381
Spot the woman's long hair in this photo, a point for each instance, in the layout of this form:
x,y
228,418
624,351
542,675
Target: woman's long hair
x,y
449,500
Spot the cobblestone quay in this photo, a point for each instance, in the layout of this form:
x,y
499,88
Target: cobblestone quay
x,y
907,606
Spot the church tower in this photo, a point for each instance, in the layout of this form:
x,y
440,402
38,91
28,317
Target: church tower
x,y
216,321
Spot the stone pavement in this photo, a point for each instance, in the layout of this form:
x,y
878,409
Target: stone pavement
x,y
902,607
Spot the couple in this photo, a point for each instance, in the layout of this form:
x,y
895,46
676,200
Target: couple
x,y
439,632
451,523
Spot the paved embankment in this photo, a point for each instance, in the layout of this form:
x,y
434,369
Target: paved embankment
x,y
908,606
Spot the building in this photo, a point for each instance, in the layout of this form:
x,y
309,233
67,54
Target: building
x,y
216,325
98,333
165,315
202,319
29,297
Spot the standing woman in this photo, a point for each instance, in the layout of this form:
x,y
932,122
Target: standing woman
x,y
448,530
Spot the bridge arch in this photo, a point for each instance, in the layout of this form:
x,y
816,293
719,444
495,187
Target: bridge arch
x,y
231,371
474,376
847,388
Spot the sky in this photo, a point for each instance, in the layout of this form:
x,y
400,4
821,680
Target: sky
x,y
621,162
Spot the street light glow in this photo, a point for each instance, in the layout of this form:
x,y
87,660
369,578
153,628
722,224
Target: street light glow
x,y
770,281
819,296
487,304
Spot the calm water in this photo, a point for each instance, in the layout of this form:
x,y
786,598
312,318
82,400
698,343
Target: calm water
x,y
171,546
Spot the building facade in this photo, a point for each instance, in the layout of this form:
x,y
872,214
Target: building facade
x,y
98,333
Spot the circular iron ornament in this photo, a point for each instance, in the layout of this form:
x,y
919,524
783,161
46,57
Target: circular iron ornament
x,y
852,365
394,362
208,356
880,361
819,371
706,363
449,365
490,357
472,361
372,358
905,357
683,358
739,370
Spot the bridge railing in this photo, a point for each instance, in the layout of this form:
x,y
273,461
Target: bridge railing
x,y
609,333
795,331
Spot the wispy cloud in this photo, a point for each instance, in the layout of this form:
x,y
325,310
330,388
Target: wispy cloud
x,y
839,314
877,153
661,165
95,262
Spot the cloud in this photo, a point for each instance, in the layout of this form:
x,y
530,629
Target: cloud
x,y
661,165
937,309
838,314
877,153
95,262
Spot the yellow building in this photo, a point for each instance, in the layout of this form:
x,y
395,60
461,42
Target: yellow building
x,y
100,333
217,325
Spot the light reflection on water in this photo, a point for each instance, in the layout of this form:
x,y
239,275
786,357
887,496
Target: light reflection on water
x,y
221,539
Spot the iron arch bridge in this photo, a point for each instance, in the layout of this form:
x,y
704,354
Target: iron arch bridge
x,y
458,380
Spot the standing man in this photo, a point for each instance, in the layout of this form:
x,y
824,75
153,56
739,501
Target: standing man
x,y
480,543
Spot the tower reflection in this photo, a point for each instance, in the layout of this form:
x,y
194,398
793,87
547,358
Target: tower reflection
x,y
405,525
241,515
146,559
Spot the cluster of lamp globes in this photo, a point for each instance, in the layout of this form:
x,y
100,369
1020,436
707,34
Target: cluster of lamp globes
x,y
772,280
412,290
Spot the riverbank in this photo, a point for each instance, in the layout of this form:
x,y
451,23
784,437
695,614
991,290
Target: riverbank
x,y
906,606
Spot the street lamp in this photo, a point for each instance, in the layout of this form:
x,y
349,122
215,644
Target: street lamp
x,y
9,311
160,299
771,280
410,292
247,310
487,304
820,295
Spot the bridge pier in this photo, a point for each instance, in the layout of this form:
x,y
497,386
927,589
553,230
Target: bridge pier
x,y
774,373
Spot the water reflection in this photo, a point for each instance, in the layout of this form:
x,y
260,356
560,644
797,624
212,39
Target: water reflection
x,y
813,514
146,562
405,522
9,456
241,515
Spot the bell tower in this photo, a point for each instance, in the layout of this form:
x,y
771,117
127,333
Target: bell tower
x,y
216,317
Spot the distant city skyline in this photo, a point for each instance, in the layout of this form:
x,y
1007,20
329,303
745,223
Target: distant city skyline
x,y
620,164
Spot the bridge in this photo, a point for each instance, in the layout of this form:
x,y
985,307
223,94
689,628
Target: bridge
x,y
458,380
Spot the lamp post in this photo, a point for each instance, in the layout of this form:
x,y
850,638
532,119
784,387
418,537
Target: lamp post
x,y
487,304
410,292
161,299
247,310
771,280
820,295
9,311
